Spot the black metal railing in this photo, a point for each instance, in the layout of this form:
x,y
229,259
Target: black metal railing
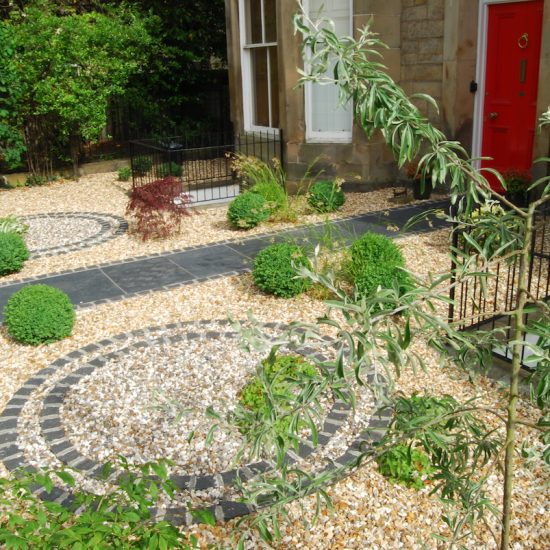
x,y
477,304
202,163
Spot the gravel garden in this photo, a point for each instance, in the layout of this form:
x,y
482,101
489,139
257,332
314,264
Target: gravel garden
x,y
134,378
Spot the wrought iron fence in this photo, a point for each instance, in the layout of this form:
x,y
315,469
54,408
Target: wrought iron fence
x,y
474,305
203,164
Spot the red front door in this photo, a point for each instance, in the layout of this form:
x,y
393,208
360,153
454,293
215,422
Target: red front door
x,y
511,82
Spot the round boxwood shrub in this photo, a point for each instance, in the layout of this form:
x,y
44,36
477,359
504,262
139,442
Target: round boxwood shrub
x,y
141,165
248,210
13,253
376,261
274,273
39,314
325,196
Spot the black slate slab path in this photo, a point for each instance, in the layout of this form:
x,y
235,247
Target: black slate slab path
x,y
135,276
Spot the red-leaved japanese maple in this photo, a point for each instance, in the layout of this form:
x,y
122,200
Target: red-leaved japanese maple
x,y
158,207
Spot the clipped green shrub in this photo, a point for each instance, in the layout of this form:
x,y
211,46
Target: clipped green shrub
x,y
169,169
376,261
39,314
325,196
124,173
279,374
13,224
405,465
141,165
248,210
13,253
274,273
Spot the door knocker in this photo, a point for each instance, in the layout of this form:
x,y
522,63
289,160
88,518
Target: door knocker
x,y
523,40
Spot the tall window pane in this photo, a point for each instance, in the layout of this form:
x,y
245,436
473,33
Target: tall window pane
x,y
254,22
261,89
326,115
274,78
260,70
270,17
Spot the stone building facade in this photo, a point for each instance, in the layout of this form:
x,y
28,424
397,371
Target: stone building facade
x,y
434,48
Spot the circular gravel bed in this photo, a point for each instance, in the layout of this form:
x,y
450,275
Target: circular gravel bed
x,y
121,396
59,233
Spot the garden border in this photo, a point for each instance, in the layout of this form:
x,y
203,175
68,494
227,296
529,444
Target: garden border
x,y
13,456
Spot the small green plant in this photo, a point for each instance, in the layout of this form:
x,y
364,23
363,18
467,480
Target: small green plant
x,y
275,271
326,196
13,253
266,179
118,519
169,169
39,314
375,260
124,173
141,165
275,381
248,210
34,180
13,224
406,465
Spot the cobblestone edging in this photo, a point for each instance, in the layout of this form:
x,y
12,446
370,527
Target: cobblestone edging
x,y
53,433
236,240
110,227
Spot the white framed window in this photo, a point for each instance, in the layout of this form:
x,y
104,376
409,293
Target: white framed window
x,y
326,119
259,57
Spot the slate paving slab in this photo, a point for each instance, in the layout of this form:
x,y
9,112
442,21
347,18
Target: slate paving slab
x,y
82,287
114,281
147,274
210,261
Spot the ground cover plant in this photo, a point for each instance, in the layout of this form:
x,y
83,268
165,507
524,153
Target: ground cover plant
x,y
158,207
13,251
270,387
121,519
39,314
275,270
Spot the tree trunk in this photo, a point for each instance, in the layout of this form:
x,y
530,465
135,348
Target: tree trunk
x,y
519,333
75,154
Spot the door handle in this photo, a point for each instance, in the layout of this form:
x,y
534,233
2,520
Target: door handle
x,y
492,116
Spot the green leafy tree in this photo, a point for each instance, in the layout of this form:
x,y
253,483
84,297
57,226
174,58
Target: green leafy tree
x,y
63,73
189,35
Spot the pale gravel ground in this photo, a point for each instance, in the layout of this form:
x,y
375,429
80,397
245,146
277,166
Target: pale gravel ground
x,y
369,512
102,193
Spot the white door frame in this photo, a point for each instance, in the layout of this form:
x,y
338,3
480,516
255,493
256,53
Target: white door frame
x,y
481,65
